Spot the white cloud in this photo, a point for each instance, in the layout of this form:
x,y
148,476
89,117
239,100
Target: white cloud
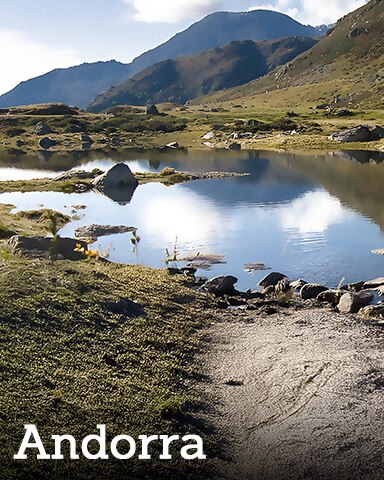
x,y
313,12
171,11
22,58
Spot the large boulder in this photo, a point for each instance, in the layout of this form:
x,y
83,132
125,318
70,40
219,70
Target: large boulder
x,y
41,128
221,286
361,133
118,183
46,247
353,302
152,110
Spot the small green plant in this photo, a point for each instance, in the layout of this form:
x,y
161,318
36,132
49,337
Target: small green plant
x,y
135,240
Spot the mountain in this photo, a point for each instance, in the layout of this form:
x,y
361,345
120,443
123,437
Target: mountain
x,y
221,28
188,77
346,67
79,85
73,86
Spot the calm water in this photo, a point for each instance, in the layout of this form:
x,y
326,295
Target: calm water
x,y
315,217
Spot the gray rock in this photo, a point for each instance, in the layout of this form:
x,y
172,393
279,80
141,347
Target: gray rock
x,y
353,302
330,296
221,286
118,183
173,145
44,247
355,287
298,284
283,286
95,231
372,311
20,143
234,146
272,279
379,251
42,128
311,290
84,138
152,110
115,141
361,133
47,143
377,282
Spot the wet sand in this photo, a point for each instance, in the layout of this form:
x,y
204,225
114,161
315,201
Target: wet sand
x,y
297,395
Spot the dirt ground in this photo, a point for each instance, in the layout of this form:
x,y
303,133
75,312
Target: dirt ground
x,y
297,395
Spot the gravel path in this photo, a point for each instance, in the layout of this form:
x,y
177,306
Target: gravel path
x,y
297,395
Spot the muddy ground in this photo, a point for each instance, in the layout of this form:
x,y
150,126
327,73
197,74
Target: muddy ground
x,y
297,395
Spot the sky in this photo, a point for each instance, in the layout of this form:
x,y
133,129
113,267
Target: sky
x,y
40,35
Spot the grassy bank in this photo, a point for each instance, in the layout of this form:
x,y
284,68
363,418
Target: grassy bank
x,y
129,129
76,353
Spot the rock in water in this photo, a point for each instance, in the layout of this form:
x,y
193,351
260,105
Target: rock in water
x,y
221,286
95,231
118,183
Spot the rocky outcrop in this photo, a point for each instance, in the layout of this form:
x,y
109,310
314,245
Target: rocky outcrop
x,y
361,133
46,247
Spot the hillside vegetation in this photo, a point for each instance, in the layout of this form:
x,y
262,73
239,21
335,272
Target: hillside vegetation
x,y
345,67
185,78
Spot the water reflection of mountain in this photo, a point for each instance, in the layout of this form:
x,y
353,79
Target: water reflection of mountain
x,y
358,185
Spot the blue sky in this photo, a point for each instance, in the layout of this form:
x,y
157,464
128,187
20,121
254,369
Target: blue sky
x,y
40,35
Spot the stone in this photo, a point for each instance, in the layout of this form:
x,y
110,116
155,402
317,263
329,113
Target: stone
x,y
330,296
361,133
95,231
353,302
20,143
41,128
208,135
44,247
118,183
298,284
124,306
377,282
379,251
355,287
220,286
272,279
47,143
152,110
234,146
283,286
84,138
115,141
173,145
311,290
372,311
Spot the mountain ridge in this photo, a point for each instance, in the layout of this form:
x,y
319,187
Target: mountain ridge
x,y
187,77
76,85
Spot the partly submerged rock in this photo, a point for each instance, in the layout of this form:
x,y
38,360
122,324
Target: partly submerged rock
x,y
95,231
379,251
377,282
46,247
221,286
118,183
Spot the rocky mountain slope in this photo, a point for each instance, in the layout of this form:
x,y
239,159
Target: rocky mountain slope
x,y
345,67
187,77
79,85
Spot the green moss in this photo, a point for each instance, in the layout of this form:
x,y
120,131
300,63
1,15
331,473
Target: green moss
x,y
69,361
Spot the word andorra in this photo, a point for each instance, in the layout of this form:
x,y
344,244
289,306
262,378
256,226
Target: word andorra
x,y
121,447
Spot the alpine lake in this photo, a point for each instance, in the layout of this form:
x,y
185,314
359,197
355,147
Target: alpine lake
x,y
316,217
